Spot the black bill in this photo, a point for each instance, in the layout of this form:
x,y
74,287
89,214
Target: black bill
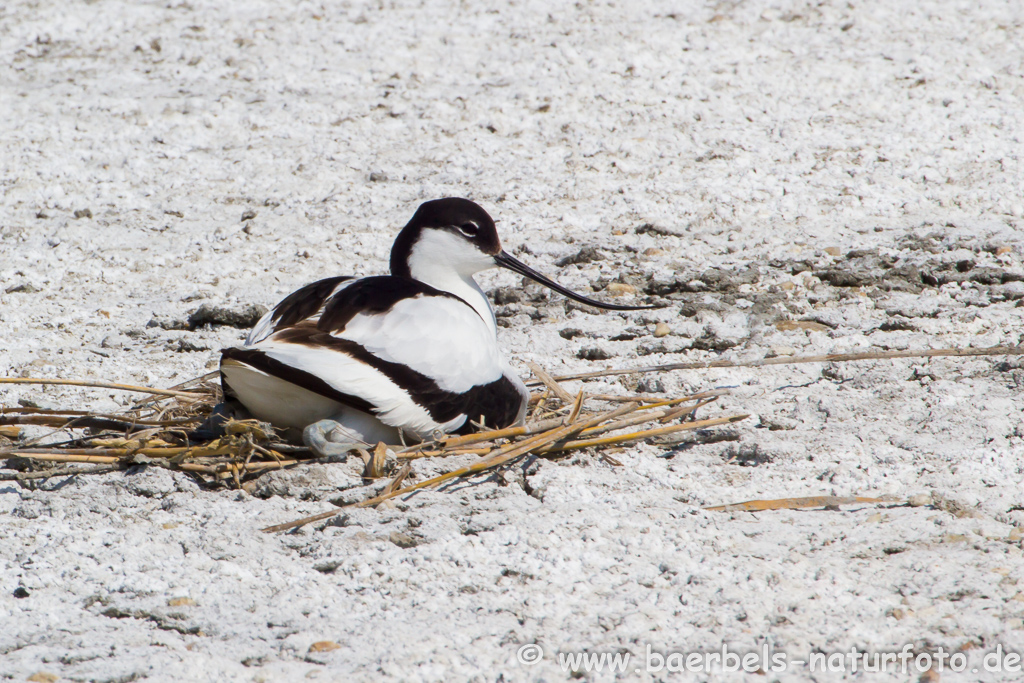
x,y
506,261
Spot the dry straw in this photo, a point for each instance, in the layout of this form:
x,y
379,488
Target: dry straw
x,y
157,431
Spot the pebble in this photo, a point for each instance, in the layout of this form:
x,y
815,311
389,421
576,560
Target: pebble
x,y
324,646
919,500
620,289
242,316
809,325
661,330
593,353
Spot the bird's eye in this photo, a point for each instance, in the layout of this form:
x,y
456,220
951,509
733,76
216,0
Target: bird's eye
x,y
469,229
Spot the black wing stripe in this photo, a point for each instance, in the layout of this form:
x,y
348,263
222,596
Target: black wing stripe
x,y
260,361
305,301
496,404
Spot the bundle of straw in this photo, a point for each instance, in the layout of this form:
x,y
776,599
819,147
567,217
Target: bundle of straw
x,y
156,432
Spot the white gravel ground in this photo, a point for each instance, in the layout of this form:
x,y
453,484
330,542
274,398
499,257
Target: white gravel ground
x,y
853,167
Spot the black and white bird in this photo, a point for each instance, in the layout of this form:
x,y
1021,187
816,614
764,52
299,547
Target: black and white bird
x,y
354,361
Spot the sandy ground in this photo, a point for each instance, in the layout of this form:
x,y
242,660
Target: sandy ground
x,y
795,178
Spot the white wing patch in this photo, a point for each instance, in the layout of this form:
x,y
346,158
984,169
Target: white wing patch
x,y
349,376
437,336
263,328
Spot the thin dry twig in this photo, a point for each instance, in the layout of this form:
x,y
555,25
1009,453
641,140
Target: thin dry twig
x,y
84,422
793,360
577,406
183,386
250,448
499,457
101,385
548,381
619,439
662,415
792,503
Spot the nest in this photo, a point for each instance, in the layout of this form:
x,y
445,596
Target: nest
x,y
158,431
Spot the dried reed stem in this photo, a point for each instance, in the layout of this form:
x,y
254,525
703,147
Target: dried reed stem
x,y
793,360
548,381
13,411
644,434
84,422
101,385
792,503
501,456
666,414
52,456
187,384
171,452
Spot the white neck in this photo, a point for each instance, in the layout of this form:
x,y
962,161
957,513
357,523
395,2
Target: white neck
x,y
431,262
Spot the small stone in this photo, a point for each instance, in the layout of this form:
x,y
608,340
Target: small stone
x,y
42,677
874,519
783,350
662,330
809,325
248,215
787,285
570,333
665,230
507,295
653,251
620,289
21,593
898,613
833,251
168,323
187,346
24,288
919,500
1003,250
83,213
650,385
403,540
1016,534
324,646
37,402
584,255
180,602
113,341
593,353
243,317
378,177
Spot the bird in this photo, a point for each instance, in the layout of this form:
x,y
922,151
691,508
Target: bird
x,y
349,362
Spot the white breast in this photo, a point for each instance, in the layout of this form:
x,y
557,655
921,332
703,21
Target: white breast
x,y
438,336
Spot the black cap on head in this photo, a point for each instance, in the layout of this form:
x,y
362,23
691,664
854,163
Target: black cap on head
x,y
456,214
469,221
